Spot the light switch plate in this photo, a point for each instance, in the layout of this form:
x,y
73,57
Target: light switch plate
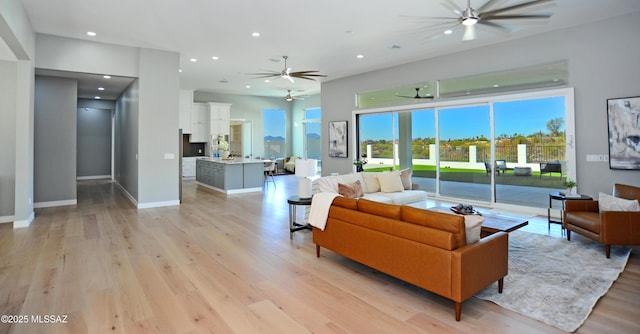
x,y
168,156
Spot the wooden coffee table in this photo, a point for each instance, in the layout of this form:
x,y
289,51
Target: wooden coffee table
x,y
494,222
499,223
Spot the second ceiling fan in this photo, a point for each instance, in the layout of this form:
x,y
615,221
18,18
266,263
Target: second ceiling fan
x,y
287,74
485,16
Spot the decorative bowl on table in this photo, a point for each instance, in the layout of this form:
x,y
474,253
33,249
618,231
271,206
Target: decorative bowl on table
x,y
464,209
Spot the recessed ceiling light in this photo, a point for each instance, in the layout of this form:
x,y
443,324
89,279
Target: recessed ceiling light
x,y
496,86
395,47
556,79
360,56
100,88
247,86
193,60
267,80
97,97
91,33
215,58
106,76
448,32
255,34
180,70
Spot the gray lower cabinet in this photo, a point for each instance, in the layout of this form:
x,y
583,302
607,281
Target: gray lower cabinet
x,y
228,177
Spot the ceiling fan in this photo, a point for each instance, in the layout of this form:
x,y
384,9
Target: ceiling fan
x,y
287,74
417,96
290,97
485,16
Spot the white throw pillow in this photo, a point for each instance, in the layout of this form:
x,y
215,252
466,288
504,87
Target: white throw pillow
x,y
607,202
473,227
390,182
371,182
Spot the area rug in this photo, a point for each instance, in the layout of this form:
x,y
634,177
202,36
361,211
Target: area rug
x,y
554,280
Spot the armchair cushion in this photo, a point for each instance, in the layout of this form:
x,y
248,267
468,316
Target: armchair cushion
x,y
607,202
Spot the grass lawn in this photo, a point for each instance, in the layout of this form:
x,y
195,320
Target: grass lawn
x,y
481,176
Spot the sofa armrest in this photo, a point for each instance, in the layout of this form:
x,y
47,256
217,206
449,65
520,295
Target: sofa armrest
x,y
479,264
620,227
581,205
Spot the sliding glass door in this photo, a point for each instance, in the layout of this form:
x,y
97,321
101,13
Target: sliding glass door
x,y
530,142
464,148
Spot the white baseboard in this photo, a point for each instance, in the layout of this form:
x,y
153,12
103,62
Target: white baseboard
x,y
55,203
157,204
7,219
24,223
127,194
95,177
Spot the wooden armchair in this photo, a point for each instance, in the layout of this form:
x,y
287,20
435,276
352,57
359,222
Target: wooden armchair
x,y
606,227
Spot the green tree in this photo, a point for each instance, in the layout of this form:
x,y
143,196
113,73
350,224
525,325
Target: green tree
x,y
554,125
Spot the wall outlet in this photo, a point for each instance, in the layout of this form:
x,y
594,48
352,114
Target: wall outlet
x,y
597,157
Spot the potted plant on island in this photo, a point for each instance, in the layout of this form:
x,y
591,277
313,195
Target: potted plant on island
x,y
359,164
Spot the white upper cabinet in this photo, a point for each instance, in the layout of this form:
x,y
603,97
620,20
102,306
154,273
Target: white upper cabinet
x,y
186,101
200,119
220,116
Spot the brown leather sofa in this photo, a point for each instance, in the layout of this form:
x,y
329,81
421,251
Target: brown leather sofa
x,y
606,227
422,247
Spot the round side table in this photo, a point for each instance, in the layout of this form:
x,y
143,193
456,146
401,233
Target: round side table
x,y
562,197
294,226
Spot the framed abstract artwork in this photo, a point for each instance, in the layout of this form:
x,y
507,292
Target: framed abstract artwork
x,y
338,139
623,116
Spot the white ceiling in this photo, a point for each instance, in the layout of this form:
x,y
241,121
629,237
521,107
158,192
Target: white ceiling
x,y
316,35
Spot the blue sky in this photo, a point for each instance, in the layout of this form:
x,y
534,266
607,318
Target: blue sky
x,y
274,123
522,117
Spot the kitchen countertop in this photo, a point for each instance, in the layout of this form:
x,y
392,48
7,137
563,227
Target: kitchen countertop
x,y
234,161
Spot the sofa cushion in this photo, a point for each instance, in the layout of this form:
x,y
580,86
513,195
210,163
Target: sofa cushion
x,y
379,209
371,182
390,182
587,220
607,202
438,220
351,190
399,198
405,177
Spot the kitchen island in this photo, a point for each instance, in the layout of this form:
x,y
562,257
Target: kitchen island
x,y
230,176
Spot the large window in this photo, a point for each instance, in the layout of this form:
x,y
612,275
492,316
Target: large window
x,y
312,137
492,149
274,133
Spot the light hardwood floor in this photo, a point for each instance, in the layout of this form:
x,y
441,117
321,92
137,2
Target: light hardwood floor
x,y
219,264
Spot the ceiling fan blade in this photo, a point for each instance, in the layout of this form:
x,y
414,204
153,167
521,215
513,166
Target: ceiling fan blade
x,y
289,78
421,19
449,4
469,33
487,5
500,27
514,7
266,73
515,17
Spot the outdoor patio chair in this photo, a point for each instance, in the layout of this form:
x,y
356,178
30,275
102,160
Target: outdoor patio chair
x,y
501,166
550,167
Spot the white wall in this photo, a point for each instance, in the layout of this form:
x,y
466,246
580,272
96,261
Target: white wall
x,y
602,60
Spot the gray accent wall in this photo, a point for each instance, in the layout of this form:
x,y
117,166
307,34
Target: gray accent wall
x,y
55,140
94,142
603,63
126,140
